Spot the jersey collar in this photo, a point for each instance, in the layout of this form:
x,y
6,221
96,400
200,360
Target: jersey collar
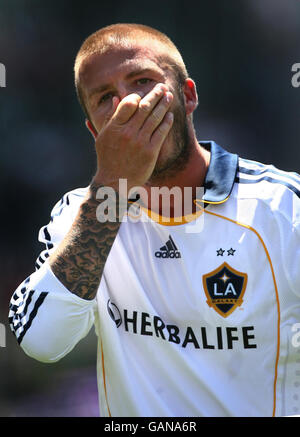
x,y
221,173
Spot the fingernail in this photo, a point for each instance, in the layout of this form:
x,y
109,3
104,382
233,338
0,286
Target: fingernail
x,y
161,87
169,97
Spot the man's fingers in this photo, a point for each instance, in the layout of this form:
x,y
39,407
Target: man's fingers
x,y
115,103
157,115
162,131
148,103
126,108
134,104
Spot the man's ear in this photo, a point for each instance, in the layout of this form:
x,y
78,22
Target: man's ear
x,y
91,128
190,96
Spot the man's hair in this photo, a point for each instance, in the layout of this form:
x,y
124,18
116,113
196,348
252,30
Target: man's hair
x,y
124,35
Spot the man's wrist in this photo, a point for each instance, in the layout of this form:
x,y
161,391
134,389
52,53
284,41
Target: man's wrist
x,y
110,202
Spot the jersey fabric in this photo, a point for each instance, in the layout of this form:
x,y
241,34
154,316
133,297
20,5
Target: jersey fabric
x,y
192,319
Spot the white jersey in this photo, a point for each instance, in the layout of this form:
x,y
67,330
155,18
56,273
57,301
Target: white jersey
x,y
189,323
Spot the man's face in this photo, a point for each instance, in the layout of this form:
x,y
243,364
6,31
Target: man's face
x,y
124,71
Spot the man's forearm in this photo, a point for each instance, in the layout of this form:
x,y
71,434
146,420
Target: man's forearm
x,y
79,260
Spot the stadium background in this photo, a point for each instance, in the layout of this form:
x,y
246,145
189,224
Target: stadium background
x,y
240,54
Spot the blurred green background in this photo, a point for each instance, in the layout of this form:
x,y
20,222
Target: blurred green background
x,y
240,54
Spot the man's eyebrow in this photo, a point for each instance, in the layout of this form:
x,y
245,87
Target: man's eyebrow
x,y
140,71
136,72
98,90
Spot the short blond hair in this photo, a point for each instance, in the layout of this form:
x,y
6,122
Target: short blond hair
x,y
123,35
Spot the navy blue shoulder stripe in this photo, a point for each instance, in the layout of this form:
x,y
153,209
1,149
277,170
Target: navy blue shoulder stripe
x,y
46,233
58,210
268,179
289,175
33,313
65,201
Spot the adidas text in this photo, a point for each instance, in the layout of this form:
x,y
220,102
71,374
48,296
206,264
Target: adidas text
x,y
165,254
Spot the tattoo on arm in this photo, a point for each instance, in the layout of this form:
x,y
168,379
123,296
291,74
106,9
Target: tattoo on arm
x,y
79,260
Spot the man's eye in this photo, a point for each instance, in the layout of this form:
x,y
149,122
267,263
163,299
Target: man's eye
x,y
104,98
143,81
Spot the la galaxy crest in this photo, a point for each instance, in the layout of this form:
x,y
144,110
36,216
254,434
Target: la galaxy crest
x,y
224,288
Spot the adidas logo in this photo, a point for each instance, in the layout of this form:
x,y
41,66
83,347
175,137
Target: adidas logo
x,y
169,250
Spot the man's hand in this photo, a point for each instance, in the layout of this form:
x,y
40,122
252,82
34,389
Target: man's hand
x,y
129,144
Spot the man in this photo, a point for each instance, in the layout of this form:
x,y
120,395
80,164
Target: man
x,y
191,320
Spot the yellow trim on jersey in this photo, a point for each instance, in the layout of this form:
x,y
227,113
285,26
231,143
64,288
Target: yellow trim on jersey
x,y
212,202
170,221
276,293
104,380
176,221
